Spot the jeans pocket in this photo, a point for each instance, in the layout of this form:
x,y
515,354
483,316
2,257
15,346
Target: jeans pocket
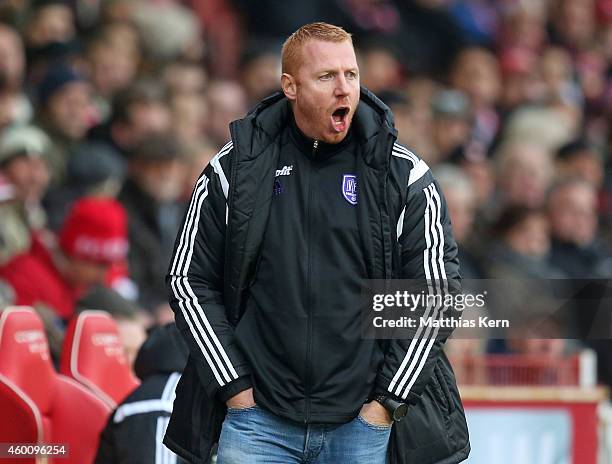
x,y
377,427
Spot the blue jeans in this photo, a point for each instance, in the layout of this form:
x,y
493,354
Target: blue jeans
x,y
256,436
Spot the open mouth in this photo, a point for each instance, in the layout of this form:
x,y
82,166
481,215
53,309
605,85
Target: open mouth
x,y
339,119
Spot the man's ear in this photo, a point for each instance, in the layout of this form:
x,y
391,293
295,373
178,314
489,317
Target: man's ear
x,y
289,86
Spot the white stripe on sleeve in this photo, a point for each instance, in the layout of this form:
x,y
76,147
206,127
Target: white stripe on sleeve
x,y
403,152
199,325
418,171
216,164
198,332
433,264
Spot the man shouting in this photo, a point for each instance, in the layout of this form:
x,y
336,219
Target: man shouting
x,y
311,197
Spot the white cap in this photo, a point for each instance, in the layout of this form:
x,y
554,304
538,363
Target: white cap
x,y
17,140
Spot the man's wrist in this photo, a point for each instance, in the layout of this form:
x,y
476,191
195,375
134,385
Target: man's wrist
x,y
244,399
396,409
233,388
382,410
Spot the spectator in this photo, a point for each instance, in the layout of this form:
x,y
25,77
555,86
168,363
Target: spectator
x,y
151,196
12,62
186,83
50,21
382,69
15,108
592,70
461,200
189,117
579,159
123,35
258,71
14,234
112,64
404,115
419,93
578,252
452,122
185,78
93,238
524,173
518,255
65,114
521,83
133,435
227,102
50,37
522,246
476,72
93,168
576,248
169,31
473,160
523,26
131,320
557,71
573,23
138,112
24,165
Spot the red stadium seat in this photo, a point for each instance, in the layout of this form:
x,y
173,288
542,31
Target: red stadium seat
x,y
93,355
24,424
41,405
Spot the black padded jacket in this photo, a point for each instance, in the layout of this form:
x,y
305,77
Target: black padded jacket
x,y
403,229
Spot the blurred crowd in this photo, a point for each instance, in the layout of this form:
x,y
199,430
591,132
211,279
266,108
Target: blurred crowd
x,y
110,109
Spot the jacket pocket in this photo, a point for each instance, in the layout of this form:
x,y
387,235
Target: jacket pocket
x,y
438,391
444,389
195,423
423,435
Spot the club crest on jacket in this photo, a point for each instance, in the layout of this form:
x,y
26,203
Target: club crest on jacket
x,y
349,188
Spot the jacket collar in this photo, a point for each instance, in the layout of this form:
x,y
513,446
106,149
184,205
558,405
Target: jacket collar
x,y
372,119
316,149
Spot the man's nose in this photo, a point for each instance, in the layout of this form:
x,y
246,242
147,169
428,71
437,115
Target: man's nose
x,y
342,86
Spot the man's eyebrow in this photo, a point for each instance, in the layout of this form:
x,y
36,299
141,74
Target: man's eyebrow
x,y
335,71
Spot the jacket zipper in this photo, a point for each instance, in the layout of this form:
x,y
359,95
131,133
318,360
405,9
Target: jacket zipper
x,y
389,271
315,146
228,231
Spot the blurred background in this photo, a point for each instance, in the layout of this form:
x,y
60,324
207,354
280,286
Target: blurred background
x,y
110,110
